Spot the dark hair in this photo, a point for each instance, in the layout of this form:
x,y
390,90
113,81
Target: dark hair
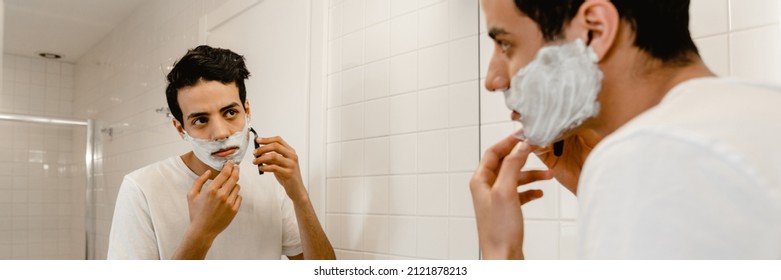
x,y
661,26
208,64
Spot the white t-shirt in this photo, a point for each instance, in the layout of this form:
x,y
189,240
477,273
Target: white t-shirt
x,y
151,216
696,177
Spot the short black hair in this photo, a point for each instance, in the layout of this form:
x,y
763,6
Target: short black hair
x,y
208,64
661,26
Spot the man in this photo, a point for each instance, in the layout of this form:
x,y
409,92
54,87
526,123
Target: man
x,y
200,205
667,160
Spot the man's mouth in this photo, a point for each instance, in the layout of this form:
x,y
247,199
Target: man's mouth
x,y
225,152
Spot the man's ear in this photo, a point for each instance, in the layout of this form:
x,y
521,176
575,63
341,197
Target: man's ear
x,y
597,23
178,126
246,107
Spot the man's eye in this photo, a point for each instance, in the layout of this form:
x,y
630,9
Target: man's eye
x,y
200,121
231,113
503,45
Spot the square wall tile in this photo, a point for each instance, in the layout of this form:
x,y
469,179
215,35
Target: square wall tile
x,y
335,18
377,117
334,195
377,156
463,149
375,238
754,54
402,194
432,151
404,73
402,236
433,66
541,240
463,18
352,158
353,15
546,207
335,56
708,17
352,50
464,57
352,121
399,7
353,197
493,108
352,85
460,201
568,203
493,133
753,13
377,77
377,11
403,113
404,33
568,241
334,230
487,48
377,41
715,53
432,238
377,194
433,109
463,239
432,195
353,232
433,25
462,109
403,154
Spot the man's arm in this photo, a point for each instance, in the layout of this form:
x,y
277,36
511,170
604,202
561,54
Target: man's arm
x,y
281,159
132,234
211,211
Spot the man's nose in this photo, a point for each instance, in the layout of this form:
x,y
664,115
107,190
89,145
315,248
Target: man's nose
x,y
220,129
497,77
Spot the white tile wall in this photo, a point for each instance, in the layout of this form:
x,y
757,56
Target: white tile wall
x,y
42,165
421,136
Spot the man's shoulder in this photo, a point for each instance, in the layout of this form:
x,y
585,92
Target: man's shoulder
x,y
153,172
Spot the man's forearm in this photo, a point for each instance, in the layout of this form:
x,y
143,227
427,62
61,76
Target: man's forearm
x,y
313,239
193,247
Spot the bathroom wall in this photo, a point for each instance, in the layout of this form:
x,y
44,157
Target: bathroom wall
x,y
41,209
402,128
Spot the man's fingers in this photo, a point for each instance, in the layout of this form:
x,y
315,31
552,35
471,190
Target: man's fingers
x,y
526,196
274,159
510,172
198,184
275,139
230,183
534,176
233,194
276,148
225,173
493,156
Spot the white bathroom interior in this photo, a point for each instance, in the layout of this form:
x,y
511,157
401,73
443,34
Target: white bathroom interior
x,y
383,101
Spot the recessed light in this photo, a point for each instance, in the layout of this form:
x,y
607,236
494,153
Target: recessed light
x,y
48,55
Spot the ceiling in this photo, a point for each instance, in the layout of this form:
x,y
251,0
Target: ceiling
x,y
68,28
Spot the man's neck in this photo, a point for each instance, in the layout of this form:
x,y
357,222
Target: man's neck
x,y
633,91
196,165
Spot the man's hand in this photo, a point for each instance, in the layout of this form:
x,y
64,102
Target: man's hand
x,y
211,211
566,168
279,157
497,201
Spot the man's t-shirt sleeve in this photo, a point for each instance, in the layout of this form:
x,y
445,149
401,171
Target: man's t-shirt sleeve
x,y
132,235
291,239
652,196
